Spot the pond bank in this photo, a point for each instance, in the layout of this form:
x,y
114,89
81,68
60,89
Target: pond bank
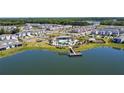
x,y
45,46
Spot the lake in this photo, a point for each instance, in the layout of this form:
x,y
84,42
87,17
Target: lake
x,y
98,61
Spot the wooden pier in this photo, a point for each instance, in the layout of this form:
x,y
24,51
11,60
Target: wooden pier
x,y
73,53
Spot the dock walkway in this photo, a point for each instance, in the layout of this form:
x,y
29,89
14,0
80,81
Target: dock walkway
x,y
73,53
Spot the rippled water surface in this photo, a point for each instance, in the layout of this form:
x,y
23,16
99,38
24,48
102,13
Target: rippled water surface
x,y
98,61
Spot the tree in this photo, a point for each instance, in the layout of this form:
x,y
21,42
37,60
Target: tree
x,y
2,31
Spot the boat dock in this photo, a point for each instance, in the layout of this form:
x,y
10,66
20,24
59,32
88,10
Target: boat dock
x,y
73,53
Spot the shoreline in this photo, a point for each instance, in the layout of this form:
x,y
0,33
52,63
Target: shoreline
x,y
44,46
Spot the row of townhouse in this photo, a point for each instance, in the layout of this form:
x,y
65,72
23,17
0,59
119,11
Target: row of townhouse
x,y
30,33
84,30
53,27
8,37
29,26
21,35
119,39
12,40
7,44
108,32
8,28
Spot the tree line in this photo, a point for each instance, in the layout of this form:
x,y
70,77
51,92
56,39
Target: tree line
x,y
63,21
112,22
81,21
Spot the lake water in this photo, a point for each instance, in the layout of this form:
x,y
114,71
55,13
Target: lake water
x,y
98,61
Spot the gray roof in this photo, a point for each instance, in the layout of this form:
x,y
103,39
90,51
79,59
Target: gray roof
x,y
63,37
